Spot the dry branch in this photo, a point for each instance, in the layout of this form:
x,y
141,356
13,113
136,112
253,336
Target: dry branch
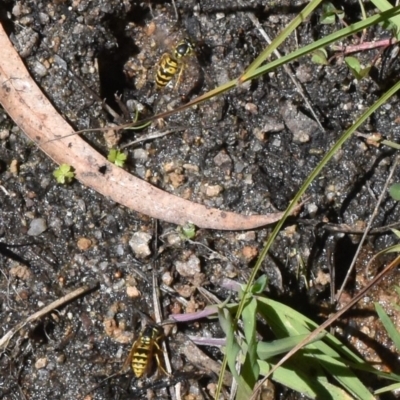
x,y
45,310
37,118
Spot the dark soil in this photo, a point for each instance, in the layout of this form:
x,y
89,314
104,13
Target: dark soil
x,y
248,151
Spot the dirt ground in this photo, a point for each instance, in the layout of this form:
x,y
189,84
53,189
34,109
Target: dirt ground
x,y
247,151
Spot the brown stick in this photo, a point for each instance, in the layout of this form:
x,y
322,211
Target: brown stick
x,y
37,118
45,310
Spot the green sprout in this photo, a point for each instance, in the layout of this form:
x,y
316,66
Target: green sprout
x,y
64,174
356,68
117,157
320,57
329,14
187,231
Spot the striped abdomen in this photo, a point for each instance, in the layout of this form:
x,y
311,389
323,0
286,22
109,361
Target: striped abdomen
x,y
142,354
167,69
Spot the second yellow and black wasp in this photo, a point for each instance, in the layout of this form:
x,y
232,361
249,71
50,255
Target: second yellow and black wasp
x,y
172,63
145,347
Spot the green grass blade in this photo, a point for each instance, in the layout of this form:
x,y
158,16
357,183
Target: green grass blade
x,y
389,325
285,59
285,321
384,5
310,382
250,370
342,33
389,388
280,38
346,135
341,373
327,352
232,348
267,350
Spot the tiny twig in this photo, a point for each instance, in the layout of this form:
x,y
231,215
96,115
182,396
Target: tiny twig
x,y
45,310
153,135
364,46
158,319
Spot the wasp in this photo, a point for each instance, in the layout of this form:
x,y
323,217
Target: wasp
x,y
172,63
145,347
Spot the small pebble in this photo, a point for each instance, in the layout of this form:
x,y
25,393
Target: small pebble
x,y
273,125
312,209
61,359
173,239
139,244
14,167
213,190
133,292
4,134
188,268
84,244
140,154
176,179
246,236
167,278
41,363
39,69
249,252
37,227
251,108
222,158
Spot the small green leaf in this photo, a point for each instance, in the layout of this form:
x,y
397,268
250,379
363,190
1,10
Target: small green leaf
x,y
225,320
353,63
320,57
188,230
329,12
392,249
356,69
394,191
260,284
64,174
117,157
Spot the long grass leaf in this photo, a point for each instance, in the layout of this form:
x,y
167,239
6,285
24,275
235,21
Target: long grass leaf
x,y
250,370
389,325
384,5
327,40
314,386
301,17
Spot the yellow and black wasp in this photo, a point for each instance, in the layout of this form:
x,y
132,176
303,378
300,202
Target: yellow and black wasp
x,y
172,63
145,347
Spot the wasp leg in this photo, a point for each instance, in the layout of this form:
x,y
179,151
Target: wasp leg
x,y
159,363
181,68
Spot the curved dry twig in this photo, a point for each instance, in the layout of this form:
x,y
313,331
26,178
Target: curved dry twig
x,y
45,310
37,118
